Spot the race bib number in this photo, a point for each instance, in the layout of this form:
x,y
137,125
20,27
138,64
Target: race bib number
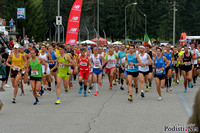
x,y
61,65
34,72
159,70
175,62
188,63
83,64
23,72
143,66
111,63
130,67
16,68
97,64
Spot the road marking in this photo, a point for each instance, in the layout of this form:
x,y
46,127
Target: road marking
x,y
189,112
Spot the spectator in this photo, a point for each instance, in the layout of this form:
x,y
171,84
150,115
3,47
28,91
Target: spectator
x,y
6,32
11,43
11,23
2,74
1,22
15,41
4,22
32,40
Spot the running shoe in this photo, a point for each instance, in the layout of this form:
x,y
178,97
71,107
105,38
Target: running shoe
x,y
167,89
49,88
194,84
13,101
100,84
160,99
180,80
1,105
41,92
189,85
130,99
96,93
92,86
85,94
170,89
185,90
89,91
113,81
36,102
80,90
67,89
110,87
74,81
22,93
31,90
147,88
122,88
57,101
142,94
2,89
136,90
7,86
71,85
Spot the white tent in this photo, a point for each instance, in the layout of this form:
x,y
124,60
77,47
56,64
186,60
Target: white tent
x,y
88,42
117,43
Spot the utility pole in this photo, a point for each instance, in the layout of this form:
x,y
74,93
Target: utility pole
x,y
58,25
174,22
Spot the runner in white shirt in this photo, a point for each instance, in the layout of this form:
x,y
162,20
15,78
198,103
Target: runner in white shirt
x,y
144,69
111,61
195,53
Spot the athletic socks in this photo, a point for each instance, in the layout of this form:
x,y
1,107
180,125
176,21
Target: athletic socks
x,y
85,88
170,82
166,82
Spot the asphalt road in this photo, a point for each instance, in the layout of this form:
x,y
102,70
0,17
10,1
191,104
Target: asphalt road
x,y
109,112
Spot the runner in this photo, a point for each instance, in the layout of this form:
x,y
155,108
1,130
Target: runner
x,y
35,63
111,61
168,80
176,65
144,69
24,75
195,53
161,63
54,57
47,58
132,62
186,61
16,68
121,56
64,61
97,62
180,53
152,55
84,64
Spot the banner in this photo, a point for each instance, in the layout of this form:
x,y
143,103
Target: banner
x,y
21,13
73,23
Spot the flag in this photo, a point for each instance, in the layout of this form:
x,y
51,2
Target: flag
x,y
147,40
73,23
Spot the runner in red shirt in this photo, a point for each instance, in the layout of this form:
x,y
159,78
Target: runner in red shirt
x,y
84,64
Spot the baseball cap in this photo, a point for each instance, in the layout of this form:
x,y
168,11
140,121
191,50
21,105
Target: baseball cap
x,y
16,46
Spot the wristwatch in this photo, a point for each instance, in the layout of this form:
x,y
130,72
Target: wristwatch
x,y
45,73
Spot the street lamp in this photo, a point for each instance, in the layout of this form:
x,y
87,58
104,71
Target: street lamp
x,y
125,16
145,22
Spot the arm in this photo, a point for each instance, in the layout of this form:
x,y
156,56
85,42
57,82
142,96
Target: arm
x,y
181,59
7,62
24,58
193,58
50,59
138,59
151,62
166,61
71,62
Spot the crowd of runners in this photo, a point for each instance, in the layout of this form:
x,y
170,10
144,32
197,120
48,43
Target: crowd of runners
x,y
131,66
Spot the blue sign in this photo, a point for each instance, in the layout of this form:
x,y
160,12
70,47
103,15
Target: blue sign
x,y
21,13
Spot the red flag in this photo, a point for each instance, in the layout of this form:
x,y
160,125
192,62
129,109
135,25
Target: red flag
x,y
73,23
